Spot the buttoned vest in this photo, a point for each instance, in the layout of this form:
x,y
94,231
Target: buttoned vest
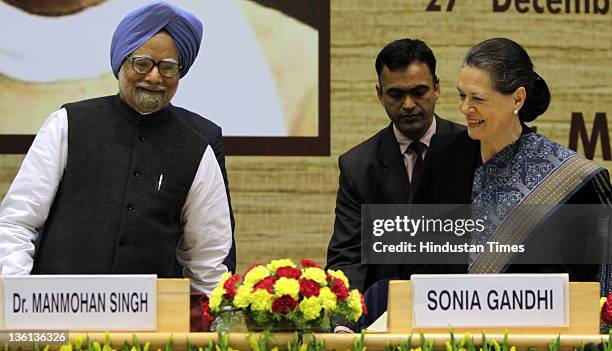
x,y
118,205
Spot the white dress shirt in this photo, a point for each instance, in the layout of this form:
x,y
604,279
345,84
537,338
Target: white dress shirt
x,y
207,234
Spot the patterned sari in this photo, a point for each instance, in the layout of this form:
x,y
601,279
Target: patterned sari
x,y
525,183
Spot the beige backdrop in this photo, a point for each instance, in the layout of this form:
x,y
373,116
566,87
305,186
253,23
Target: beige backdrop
x,y
284,206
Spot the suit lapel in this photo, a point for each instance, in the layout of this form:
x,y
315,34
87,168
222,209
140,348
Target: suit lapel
x,y
392,170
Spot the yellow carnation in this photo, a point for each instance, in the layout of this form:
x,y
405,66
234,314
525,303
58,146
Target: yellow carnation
x,y
311,308
256,275
216,296
328,299
316,274
354,304
276,264
225,277
261,300
602,300
287,286
340,275
241,299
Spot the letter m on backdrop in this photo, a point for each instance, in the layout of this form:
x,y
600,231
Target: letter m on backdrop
x,y
600,128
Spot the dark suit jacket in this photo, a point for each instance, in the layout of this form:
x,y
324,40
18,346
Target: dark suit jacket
x,y
448,170
447,178
212,132
372,172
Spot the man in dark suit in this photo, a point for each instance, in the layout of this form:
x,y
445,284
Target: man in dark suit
x,y
385,168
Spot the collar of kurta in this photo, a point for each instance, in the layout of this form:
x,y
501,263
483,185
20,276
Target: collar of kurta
x,y
138,119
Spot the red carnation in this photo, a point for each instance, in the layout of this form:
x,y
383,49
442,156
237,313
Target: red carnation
x,y
364,309
308,263
230,286
309,287
288,272
248,270
208,317
606,311
339,289
267,284
328,277
284,304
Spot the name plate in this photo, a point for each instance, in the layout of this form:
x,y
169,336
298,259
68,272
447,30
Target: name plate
x,y
490,300
80,302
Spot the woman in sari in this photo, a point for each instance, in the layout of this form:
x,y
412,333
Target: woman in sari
x,y
500,164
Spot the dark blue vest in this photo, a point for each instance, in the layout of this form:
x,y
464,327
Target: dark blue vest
x,y
111,214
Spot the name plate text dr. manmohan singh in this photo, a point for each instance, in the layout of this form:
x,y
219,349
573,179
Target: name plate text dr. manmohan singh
x,y
80,302
490,300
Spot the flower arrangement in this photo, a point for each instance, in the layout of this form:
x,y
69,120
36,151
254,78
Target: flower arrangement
x,y
605,305
282,294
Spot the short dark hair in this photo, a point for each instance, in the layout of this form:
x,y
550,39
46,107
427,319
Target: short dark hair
x,y
401,53
510,68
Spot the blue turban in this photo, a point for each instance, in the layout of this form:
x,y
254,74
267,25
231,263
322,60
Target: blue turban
x,y
141,24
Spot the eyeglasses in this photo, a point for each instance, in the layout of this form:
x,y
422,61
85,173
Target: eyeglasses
x,y
144,65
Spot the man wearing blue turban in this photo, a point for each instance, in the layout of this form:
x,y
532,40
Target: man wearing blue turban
x,y
126,183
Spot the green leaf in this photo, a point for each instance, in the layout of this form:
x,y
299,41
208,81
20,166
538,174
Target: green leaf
x,y
485,346
505,344
265,338
294,343
223,341
470,344
495,345
78,342
253,344
169,343
106,339
464,340
388,346
359,344
423,341
89,343
136,343
555,344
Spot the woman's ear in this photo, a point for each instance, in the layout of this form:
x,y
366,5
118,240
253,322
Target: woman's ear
x,y
519,96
